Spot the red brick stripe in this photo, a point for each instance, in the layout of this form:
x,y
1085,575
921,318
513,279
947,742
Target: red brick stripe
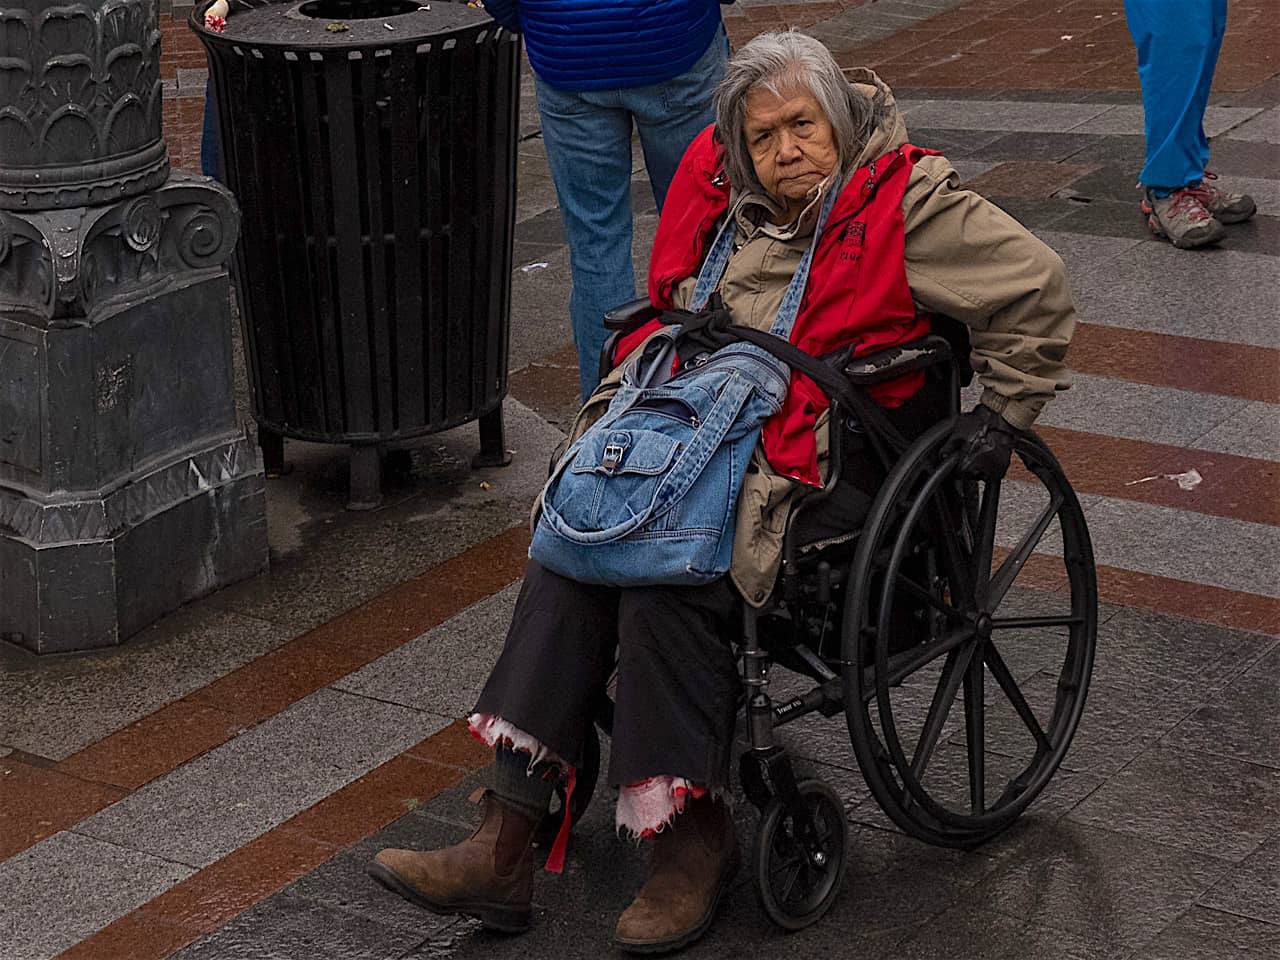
x,y
1180,598
36,803
222,891
1239,488
1185,363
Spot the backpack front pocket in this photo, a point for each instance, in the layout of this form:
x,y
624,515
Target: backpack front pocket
x,y
617,475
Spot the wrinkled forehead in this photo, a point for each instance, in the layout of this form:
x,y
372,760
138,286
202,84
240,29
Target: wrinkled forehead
x,y
768,105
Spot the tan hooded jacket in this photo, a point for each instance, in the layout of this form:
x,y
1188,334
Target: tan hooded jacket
x,y
965,258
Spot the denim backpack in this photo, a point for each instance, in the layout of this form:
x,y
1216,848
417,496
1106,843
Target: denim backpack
x,y
648,494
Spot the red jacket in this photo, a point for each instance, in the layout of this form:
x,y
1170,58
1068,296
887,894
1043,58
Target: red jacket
x,y
857,290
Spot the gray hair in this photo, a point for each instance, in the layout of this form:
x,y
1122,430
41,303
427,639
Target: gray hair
x,y
784,64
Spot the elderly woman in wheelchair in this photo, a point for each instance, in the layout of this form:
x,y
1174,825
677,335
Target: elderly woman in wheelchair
x,y
773,471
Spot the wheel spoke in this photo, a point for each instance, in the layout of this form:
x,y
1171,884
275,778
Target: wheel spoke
x,y
1036,623
1000,670
920,593
984,542
1013,563
975,734
902,665
944,695
791,882
961,582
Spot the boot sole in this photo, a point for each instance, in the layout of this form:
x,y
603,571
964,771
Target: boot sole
x,y
502,919
689,936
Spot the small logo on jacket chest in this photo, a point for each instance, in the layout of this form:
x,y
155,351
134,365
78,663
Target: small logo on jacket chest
x,y
852,235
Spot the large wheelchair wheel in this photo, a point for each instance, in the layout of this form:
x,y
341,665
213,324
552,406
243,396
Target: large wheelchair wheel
x,y
798,878
947,603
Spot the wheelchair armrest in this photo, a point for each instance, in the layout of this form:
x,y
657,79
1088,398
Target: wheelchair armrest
x,y
895,361
631,315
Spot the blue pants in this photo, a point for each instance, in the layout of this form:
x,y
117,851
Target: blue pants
x,y
588,139
1178,43
209,136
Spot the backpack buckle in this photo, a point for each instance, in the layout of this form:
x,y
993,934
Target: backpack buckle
x,y
611,460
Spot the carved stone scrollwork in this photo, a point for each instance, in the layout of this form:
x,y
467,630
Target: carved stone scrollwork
x,y
142,224
73,261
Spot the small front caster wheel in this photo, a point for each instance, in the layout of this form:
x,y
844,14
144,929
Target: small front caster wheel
x,y
588,774
797,879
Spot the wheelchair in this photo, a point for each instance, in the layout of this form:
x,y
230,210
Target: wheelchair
x,y
895,617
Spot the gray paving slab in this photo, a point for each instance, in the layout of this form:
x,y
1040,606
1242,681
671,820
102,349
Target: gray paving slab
x,y
1201,802
1186,546
1001,115
1244,158
956,144
1262,128
341,560
225,798
1105,218
971,169
1153,286
1235,721
1251,432
1034,213
285,928
991,936
341,883
1082,255
68,887
1113,891
53,707
1139,411
1212,935
1035,146
1252,888
1127,118
443,670
1163,654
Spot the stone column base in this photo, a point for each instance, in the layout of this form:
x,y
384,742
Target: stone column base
x,y
77,574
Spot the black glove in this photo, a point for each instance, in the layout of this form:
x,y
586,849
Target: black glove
x,y
984,439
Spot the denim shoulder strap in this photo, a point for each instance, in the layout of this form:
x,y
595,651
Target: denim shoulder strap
x,y
722,248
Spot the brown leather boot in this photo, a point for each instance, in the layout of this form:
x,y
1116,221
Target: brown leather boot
x,y
488,876
691,865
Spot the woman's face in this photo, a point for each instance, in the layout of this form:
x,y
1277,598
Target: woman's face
x,y
791,144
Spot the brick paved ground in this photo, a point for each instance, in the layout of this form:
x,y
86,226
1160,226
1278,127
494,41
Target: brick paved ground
x,y
213,788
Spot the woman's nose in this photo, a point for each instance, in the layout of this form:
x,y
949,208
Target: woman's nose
x,y
788,148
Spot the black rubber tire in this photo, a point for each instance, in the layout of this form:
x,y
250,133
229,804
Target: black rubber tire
x,y
779,862
898,628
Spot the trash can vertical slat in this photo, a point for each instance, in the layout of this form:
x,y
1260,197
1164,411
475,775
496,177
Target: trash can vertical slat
x,y
381,153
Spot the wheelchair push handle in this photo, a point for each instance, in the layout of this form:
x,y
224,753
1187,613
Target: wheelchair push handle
x,y
630,316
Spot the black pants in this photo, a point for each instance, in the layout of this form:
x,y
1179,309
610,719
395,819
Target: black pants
x,y
678,682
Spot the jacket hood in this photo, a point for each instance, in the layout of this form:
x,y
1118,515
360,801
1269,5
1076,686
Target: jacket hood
x,y
891,132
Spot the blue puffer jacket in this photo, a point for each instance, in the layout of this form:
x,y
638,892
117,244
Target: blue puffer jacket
x,y
604,44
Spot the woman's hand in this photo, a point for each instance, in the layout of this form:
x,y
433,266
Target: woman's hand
x,y
984,440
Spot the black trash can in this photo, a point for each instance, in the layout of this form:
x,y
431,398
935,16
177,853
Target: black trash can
x,y
372,147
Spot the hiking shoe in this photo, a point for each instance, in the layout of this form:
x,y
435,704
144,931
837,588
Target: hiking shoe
x,y
1182,219
1225,206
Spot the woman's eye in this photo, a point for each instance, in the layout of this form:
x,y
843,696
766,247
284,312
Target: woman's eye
x,y
760,138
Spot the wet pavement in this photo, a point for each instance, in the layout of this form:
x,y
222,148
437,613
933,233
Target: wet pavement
x,y
213,788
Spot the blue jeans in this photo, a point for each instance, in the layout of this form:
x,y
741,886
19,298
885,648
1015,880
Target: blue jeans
x,y
588,138
1178,43
209,146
